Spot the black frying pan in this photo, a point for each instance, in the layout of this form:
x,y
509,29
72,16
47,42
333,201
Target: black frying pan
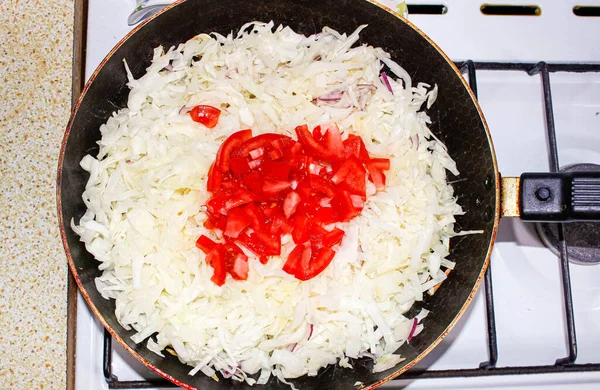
x,y
457,121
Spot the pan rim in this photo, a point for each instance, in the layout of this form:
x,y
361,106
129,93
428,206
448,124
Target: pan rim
x,y
163,374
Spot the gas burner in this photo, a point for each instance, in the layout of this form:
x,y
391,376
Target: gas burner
x,y
582,238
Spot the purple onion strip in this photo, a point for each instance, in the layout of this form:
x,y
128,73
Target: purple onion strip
x,y
386,81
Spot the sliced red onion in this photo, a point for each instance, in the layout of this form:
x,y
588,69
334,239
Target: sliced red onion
x,y
184,110
329,99
311,331
333,96
386,81
291,347
412,329
367,86
168,68
415,141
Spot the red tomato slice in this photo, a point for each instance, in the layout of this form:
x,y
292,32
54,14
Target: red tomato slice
x,y
213,184
237,221
312,147
333,140
239,198
342,205
273,187
216,259
290,203
333,237
318,134
355,146
355,181
271,245
275,154
207,115
376,176
252,244
256,216
318,262
227,147
321,185
301,232
215,221
254,182
380,163
205,244
292,265
239,166
260,141
275,169
325,216
239,271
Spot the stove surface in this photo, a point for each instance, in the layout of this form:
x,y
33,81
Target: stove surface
x,y
526,275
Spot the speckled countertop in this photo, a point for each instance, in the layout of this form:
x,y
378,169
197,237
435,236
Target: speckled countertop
x,y
35,93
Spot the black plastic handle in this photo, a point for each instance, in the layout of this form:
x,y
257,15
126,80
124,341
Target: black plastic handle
x,y
560,197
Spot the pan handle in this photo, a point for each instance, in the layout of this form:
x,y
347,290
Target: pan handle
x,y
552,197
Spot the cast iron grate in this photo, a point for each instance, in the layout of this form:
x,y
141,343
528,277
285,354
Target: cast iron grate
x,y
487,368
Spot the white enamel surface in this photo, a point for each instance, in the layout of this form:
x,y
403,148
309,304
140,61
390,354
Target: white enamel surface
x,y
528,296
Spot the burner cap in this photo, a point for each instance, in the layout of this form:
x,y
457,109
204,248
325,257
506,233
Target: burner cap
x,y
582,238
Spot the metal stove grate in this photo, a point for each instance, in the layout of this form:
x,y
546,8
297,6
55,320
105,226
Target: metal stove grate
x,y
487,368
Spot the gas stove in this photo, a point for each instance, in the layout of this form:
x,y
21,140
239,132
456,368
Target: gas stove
x,y
521,321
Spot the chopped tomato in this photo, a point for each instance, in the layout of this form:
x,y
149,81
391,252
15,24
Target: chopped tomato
x,y
313,147
377,176
343,206
205,244
271,245
257,217
318,262
207,115
267,186
239,270
301,232
275,169
213,183
290,204
237,220
252,244
254,182
292,265
260,141
355,180
333,140
321,185
227,147
275,154
239,198
273,187
239,166
381,163
333,237
216,259
354,146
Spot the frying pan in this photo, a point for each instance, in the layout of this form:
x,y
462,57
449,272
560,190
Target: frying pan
x,y
456,119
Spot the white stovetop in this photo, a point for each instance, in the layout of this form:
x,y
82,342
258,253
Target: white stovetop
x,y
528,296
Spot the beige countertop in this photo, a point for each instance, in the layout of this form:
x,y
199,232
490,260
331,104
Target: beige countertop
x,y
35,92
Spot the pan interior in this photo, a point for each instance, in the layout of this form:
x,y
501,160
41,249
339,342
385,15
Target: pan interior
x,y
456,121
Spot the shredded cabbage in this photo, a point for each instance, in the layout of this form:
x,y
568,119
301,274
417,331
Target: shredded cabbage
x,y
147,186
